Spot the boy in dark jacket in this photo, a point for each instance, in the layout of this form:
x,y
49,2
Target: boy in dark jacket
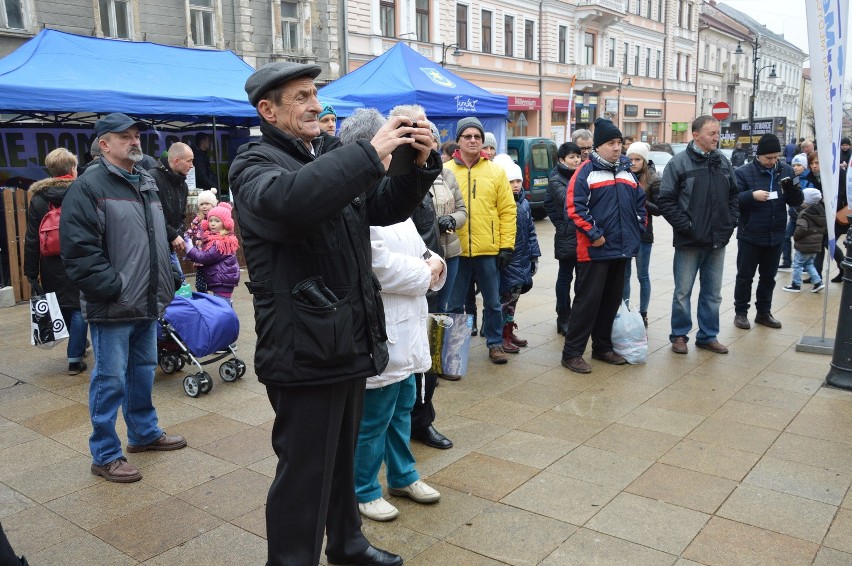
x,y
810,229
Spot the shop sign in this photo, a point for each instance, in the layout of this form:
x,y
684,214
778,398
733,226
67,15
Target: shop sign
x,y
560,104
585,115
679,126
631,110
524,103
611,105
653,112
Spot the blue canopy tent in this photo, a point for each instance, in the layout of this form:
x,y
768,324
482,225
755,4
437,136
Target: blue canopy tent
x,y
403,76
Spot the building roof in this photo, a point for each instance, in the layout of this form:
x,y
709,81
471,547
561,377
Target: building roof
x,y
754,25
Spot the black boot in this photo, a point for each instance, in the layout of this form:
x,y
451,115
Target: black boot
x,y
482,328
475,330
839,277
562,316
644,318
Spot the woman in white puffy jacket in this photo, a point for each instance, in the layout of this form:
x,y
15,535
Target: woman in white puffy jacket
x,y
406,270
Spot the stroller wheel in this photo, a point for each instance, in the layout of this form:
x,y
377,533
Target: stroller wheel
x,y
205,381
168,363
191,386
228,371
241,367
180,362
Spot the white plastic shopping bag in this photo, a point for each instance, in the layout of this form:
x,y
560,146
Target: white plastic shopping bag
x,y
629,339
48,326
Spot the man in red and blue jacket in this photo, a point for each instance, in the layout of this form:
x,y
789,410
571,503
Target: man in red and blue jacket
x,y
607,206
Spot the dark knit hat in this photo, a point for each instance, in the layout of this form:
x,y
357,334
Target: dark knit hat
x,y
273,74
768,144
469,122
605,131
845,141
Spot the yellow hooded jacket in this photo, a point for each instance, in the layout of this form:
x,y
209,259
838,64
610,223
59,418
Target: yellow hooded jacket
x,y
491,207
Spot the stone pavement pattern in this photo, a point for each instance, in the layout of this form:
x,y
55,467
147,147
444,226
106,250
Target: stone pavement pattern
x,y
695,459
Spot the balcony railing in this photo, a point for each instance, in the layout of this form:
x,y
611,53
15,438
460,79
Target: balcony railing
x,y
614,5
598,73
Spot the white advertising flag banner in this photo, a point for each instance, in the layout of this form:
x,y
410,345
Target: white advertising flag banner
x,y
827,46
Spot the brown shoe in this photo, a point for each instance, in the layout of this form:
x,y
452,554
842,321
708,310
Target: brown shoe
x,y
741,321
679,345
449,376
496,355
577,364
165,442
610,358
715,346
118,471
766,319
515,340
508,346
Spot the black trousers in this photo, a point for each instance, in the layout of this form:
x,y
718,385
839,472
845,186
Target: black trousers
x,y
764,260
597,296
423,412
314,437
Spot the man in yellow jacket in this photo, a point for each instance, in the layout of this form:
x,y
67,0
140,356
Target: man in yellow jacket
x,y
488,238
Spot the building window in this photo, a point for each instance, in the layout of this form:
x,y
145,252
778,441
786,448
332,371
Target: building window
x,y
688,17
563,44
647,61
636,61
115,18
387,17
659,62
626,54
612,52
529,39
422,20
509,36
289,25
677,68
201,22
461,26
639,7
487,33
718,58
650,5
12,14
686,69
589,48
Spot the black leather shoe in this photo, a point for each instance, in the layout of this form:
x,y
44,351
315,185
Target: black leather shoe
x,y
372,556
766,319
431,437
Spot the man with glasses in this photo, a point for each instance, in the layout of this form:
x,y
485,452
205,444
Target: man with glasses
x,y
583,138
760,231
488,238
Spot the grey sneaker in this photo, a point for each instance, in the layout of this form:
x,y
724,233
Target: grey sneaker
x,y
818,287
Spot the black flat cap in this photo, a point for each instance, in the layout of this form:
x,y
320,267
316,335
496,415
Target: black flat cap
x,y
116,122
273,74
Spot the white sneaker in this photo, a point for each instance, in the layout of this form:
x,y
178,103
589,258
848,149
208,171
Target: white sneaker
x,y
378,510
418,491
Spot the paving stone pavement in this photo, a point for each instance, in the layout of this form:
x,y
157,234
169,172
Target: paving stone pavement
x,y
698,459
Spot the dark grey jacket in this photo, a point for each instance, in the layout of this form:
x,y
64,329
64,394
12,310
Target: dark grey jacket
x,y
173,194
114,246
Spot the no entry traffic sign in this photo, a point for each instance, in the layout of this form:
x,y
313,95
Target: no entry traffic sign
x,y
721,110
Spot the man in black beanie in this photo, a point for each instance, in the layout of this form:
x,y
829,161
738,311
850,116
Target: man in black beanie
x,y
763,201
607,206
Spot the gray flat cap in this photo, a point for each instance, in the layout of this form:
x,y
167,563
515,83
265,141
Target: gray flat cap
x,y
273,74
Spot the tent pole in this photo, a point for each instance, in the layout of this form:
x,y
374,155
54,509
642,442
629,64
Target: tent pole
x,y
216,157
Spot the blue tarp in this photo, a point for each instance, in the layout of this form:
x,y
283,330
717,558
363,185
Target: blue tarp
x,y
403,76
57,72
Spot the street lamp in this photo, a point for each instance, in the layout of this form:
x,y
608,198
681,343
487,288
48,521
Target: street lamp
x,y
445,48
755,82
628,84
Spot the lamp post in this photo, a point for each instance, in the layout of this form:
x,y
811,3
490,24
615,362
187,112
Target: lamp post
x,y
445,48
755,45
628,84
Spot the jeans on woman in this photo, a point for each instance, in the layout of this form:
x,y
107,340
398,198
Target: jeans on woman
x,y
643,262
447,289
384,437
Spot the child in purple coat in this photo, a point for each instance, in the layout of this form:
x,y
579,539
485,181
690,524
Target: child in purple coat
x,y
217,253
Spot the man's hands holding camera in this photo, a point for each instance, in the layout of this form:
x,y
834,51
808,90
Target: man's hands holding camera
x,y
399,130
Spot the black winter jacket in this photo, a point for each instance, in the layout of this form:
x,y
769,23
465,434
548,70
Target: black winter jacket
x,y
698,197
53,277
652,192
764,223
304,217
114,246
565,237
810,229
426,221
204,176
173,193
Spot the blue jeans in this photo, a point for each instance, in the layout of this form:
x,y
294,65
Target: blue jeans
x,y
488,278
643,262
805,262
123,375
447,289
786,246
384,437
77,330
563,282
708,265
176,263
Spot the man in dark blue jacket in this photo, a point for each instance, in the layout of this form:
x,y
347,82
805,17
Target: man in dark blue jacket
x,y
760,232
607,207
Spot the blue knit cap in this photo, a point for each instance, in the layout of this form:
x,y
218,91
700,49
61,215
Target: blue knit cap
x,y
326,110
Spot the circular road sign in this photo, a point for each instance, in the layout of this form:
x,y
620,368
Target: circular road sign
x,y
721,110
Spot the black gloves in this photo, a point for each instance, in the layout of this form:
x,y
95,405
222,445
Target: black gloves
x,y
446,223
36,288
533,266
504,258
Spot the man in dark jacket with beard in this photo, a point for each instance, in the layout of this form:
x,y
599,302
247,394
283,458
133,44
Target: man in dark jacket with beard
x,y
698,197
304,213
170,176
760,232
